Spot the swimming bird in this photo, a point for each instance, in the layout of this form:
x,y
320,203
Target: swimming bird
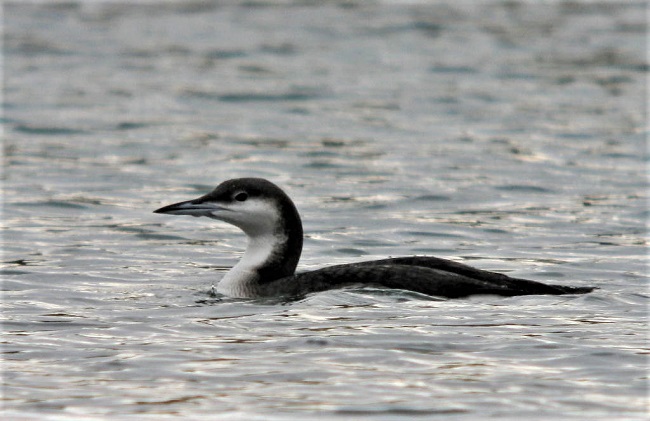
x,y
270,220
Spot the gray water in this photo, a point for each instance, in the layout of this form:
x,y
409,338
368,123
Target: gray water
x,y
506,135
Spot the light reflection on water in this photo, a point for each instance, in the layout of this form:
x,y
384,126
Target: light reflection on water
x,y
509,136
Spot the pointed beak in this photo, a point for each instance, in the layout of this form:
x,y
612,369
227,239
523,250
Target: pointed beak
x,y
191,207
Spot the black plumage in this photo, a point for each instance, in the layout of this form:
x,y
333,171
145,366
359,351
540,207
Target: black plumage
x,y
426,275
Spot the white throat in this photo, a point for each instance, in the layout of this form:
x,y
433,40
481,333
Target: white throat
x,y
242,280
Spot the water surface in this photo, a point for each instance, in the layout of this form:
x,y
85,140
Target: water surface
x,y
509,136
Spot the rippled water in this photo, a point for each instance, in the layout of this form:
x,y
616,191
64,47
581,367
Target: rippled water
x,y
510,136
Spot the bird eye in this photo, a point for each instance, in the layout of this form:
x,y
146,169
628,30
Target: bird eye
x,y
241,197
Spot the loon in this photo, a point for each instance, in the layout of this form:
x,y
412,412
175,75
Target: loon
x,y
272,224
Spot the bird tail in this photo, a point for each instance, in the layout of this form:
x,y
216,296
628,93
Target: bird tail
x,y
574,290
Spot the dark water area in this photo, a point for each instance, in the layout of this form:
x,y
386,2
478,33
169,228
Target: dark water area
x,y
510,136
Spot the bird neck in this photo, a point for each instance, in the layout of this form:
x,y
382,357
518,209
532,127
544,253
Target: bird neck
x,y
268,257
